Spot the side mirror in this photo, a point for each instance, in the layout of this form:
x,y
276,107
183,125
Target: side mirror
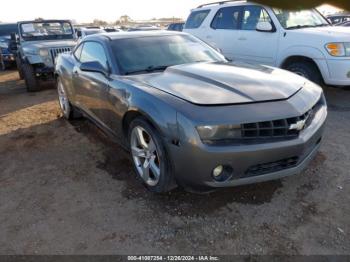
x,y
95,67
264,27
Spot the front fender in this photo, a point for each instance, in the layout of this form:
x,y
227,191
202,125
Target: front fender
x,y
156,110
305,51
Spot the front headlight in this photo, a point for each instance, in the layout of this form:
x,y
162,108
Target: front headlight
x,y
3,45
44,52
219,132
338,49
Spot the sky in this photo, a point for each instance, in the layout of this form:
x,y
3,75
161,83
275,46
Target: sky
x,y
87,10
84,11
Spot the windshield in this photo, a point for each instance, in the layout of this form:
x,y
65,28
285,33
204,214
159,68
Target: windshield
x,y
300,19
147,54
46,31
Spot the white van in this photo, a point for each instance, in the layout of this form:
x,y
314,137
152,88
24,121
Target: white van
x,y
300,41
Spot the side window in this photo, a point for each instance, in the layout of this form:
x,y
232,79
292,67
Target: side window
x,y
196,18
94,52
227,18
77,52
252,15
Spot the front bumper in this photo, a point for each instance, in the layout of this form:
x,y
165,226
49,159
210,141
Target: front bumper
x,y
9,58
339,72
194,161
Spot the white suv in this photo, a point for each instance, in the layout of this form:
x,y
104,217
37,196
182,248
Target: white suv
x,y
300,41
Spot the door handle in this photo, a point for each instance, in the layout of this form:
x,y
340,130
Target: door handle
x,y
242,38
209,37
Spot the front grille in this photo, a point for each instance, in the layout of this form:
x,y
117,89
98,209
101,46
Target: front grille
x,y
56,51
278,129
271,167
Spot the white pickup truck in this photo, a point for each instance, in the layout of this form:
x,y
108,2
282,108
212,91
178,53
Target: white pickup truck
x,y
300,41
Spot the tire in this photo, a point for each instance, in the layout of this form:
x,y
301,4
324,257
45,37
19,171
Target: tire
x,y
19,68
307,70
2,65
157,159
68,110
32,82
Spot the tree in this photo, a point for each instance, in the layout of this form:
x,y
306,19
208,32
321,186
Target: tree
x,y
99,22
125,19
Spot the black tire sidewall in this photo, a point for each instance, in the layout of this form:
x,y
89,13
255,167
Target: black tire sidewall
x,y
307,69
31,82
19,67
166,180
2,65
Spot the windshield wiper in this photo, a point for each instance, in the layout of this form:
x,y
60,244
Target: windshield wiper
x,y
149,69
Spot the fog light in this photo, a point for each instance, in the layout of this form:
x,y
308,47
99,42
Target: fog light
x,y
218,171
222,173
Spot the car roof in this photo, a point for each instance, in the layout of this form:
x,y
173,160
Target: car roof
x,y
135,34
221,3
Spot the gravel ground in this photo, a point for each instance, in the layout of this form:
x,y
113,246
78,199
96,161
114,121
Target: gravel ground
x,y
66,189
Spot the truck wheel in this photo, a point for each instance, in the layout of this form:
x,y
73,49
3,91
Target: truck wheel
x,y
19,68
32,82
307,70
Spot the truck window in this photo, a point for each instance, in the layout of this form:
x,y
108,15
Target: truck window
x,y
252,15
227,18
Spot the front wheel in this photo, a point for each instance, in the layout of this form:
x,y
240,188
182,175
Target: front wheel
x,y
307,70
32,82
149,157
19,67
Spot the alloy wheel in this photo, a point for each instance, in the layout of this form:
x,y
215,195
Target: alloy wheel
x,y
145,156
63,99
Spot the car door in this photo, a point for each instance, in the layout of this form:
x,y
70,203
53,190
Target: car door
x,y
254,46
224,31
91,87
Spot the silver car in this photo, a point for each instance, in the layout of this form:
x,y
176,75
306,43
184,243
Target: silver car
x,y
188,116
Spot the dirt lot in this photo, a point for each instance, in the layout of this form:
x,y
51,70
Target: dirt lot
x,y
66,189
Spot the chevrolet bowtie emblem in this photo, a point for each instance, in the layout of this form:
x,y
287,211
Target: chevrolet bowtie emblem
x,y
298,125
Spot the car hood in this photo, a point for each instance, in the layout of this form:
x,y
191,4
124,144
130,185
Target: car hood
x,y
327,31
224,83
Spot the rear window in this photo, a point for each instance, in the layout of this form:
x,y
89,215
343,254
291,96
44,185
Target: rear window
x,y
196,18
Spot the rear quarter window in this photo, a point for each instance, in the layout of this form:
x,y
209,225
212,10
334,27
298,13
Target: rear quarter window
x,y
196,18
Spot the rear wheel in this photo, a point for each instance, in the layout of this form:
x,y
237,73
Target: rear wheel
x,y
149,157
306,69
32,82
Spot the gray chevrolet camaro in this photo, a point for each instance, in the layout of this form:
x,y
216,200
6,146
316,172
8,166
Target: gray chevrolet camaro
x,y
187,115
